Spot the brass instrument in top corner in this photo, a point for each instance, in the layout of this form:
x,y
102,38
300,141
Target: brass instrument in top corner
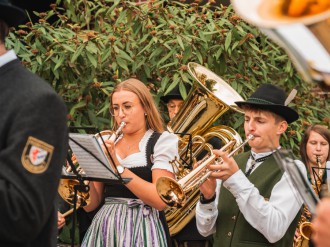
x,y
209,98
66,187
288,22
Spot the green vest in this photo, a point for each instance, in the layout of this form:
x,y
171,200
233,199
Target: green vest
x,y
231,227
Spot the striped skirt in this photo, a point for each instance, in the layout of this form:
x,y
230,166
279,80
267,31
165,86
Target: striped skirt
x,y
125,222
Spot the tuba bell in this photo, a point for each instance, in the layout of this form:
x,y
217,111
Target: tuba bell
x,y
209,98
289,23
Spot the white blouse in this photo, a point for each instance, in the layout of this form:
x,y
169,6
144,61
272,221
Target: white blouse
x,y
165,150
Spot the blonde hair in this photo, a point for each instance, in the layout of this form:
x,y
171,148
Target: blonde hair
x,y
154,120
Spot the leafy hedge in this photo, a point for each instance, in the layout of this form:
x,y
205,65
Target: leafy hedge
x,y
92,45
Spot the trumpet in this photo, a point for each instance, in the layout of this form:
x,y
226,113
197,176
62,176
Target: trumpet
x,y
110,135
173,192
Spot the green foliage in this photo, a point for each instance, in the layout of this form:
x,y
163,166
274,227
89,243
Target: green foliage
x,y
95,44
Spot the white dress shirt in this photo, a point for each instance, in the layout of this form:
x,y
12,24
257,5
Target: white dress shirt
x,y
7,57
271,218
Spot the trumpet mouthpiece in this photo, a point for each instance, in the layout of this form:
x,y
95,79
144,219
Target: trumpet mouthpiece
x,y
250,137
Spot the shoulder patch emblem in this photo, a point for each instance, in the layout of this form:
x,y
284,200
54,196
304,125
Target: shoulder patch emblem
x,y
36,155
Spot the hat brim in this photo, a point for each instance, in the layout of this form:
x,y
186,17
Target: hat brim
x,y
12,15
167,98
263,14
286,112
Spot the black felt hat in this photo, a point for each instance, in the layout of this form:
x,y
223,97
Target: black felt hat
x,y
175,93
271,98
11,14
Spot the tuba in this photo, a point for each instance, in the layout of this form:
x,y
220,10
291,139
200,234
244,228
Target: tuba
x,y
66,187
209,98
289,22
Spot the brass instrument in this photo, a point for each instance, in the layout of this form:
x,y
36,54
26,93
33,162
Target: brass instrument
x,y
305,226
66,187
305,229
208,99
174,193
289,22
319,179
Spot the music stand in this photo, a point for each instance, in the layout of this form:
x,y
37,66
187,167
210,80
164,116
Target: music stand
x,y
316,176
188,149
286,162
115,177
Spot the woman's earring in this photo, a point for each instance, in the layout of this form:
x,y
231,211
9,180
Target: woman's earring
x,y
145,114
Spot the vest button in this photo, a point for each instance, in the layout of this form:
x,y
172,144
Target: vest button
x,y
234,217
229,234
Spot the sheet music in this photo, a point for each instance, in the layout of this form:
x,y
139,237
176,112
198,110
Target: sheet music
x,y
91,166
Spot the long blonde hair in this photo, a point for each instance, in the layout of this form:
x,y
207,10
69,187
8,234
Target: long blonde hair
x,y
154,120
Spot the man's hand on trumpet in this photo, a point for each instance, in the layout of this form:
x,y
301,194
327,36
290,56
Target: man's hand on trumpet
x,y
225,168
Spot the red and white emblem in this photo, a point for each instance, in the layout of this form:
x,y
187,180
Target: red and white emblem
x,y
37,155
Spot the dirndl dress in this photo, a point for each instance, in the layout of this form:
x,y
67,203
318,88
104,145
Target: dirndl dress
x,y
124,220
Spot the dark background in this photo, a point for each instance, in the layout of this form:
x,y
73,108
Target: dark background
x,y
33,5
44,5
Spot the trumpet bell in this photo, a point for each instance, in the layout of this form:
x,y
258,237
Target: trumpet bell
x,y
171,192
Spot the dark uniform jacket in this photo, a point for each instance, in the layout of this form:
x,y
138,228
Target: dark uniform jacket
x,y
33,147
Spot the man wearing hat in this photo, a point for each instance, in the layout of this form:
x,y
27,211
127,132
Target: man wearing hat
x,y
174,100
254,204
33,147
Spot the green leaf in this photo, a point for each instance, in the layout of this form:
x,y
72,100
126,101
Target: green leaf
x,y
91,59
199,56
59,63
187,54
180,41
122,63
124,55
77,53
69,48
166,57
228,41
77,106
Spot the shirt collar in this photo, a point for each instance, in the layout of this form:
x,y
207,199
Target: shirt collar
x,y
261,155
7,57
